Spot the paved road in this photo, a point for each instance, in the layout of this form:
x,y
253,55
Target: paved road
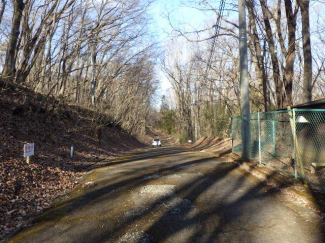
x,y
170,195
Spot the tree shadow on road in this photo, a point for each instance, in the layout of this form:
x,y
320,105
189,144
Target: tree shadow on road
x,y
224,204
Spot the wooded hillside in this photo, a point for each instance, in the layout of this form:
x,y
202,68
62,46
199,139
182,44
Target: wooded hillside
x,y
95,53
27,189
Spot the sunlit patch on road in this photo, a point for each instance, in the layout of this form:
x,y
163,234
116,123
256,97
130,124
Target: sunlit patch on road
x,y
136,236
152,193
173,176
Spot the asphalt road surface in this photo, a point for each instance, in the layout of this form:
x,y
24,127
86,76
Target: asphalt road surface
x,y
170,195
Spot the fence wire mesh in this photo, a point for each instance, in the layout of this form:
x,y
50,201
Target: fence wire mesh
x,y
292,141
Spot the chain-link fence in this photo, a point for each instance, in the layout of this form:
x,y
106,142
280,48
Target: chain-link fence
x,y
292,141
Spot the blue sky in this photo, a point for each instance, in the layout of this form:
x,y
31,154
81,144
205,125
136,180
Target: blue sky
x,y
180,13
182,17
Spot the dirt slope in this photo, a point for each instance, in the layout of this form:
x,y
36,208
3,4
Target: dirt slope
x,y
215,145
25,116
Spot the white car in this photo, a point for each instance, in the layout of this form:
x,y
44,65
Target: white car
x,y
156,142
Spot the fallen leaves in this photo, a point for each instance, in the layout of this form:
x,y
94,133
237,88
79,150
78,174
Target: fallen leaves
x,y
28,189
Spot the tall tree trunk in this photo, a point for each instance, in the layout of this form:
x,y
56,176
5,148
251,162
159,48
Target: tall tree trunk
x,y
3,7
290,57
305,31
274,58
9,69
258,58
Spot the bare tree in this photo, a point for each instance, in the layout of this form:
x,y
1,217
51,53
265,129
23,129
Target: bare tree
x,y
308,68
90,52
2,10
256,52
9,69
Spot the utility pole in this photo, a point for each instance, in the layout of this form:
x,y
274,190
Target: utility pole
x,y
244,85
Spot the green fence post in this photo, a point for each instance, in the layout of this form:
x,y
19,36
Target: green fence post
x,y
259,138
273,136
232,135
294,139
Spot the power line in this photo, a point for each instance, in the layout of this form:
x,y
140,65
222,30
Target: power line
x,y
216,34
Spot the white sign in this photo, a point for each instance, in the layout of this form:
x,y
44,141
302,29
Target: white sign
x,y
28,149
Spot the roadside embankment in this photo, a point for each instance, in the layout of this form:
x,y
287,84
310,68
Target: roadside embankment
x,y
53,126
214,145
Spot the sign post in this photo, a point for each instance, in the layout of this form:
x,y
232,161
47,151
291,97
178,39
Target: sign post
x,y
71,152
28,151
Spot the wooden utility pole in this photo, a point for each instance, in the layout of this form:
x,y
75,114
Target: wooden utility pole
x,y
244,85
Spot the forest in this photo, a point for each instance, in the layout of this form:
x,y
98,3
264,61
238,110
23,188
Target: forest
x,y
103,55
97,54
82,80
285,63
